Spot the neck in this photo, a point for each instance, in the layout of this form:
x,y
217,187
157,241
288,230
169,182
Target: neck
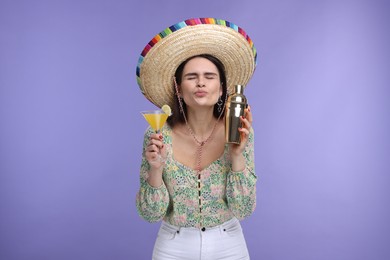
x,y
201,122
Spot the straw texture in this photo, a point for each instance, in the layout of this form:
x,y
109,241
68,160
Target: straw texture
x,y
167,50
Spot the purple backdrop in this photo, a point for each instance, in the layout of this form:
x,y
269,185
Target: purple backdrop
x,y
71,132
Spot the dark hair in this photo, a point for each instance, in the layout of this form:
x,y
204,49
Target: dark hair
x,y
177,116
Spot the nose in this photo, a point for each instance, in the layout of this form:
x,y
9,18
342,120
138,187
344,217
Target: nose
x,y
200,83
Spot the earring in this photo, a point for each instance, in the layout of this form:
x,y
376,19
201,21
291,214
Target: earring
x,y
219,104
179,97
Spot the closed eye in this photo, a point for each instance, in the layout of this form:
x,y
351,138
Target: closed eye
x,y
210,75
207,75
190,76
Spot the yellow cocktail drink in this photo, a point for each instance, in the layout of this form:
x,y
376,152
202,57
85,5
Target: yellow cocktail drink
x,y
155,119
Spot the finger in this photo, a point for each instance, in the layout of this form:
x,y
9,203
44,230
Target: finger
x,y
157,143
154,158
243,137
152,148
248,115
155,136
151,156
243,131
246,123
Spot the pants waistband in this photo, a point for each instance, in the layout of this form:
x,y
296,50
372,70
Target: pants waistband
x,y
221,227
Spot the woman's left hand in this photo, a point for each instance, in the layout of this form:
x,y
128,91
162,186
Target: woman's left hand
x,y
238,149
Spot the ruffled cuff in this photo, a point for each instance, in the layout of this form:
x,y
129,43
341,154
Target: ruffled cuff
x,y
241,192
152,202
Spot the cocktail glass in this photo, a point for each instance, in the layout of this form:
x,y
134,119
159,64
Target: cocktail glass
x,y
156,120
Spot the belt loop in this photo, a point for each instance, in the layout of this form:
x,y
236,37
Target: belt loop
x,y
221,228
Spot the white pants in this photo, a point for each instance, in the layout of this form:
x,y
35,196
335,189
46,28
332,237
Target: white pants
x,y
225,242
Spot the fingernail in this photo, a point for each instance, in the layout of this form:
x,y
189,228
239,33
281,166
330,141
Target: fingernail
x,y
161,137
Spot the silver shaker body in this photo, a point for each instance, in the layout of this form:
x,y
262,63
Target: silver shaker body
x,y
235,106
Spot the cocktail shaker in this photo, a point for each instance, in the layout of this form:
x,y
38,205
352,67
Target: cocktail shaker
x,y
235,106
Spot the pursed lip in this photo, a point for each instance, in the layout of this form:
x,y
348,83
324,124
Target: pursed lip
x,y
200,93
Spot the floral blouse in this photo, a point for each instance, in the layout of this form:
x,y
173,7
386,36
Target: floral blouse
x,y
223,194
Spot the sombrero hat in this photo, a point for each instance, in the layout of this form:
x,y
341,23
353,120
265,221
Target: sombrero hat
x,y
168,49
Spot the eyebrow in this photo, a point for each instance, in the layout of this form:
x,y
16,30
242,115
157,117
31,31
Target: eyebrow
x,y
196,74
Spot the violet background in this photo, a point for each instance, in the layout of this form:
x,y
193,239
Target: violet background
x,y
71,133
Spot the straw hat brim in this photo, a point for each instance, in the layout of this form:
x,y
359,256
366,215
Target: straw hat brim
x,y
157,68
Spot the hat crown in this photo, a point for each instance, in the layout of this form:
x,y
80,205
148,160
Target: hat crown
x,y
169,48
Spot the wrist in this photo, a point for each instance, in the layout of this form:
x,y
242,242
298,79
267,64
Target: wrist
x,y
238,162
155,177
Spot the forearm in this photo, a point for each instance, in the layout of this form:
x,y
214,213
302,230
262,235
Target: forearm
x,y
155,177
238,162
241,180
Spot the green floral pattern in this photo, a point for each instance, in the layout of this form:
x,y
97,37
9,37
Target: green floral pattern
x,y
224,193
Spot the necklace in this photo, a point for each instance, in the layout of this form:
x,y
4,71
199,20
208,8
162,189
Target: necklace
x,y
199,148
200,144
198,156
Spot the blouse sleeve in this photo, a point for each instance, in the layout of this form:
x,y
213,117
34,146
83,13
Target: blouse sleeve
x,y
241,186
152,202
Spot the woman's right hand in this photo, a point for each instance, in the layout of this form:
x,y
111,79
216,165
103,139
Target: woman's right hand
x,y
155,152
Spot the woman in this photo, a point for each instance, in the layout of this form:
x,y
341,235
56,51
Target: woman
x,y
203,185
